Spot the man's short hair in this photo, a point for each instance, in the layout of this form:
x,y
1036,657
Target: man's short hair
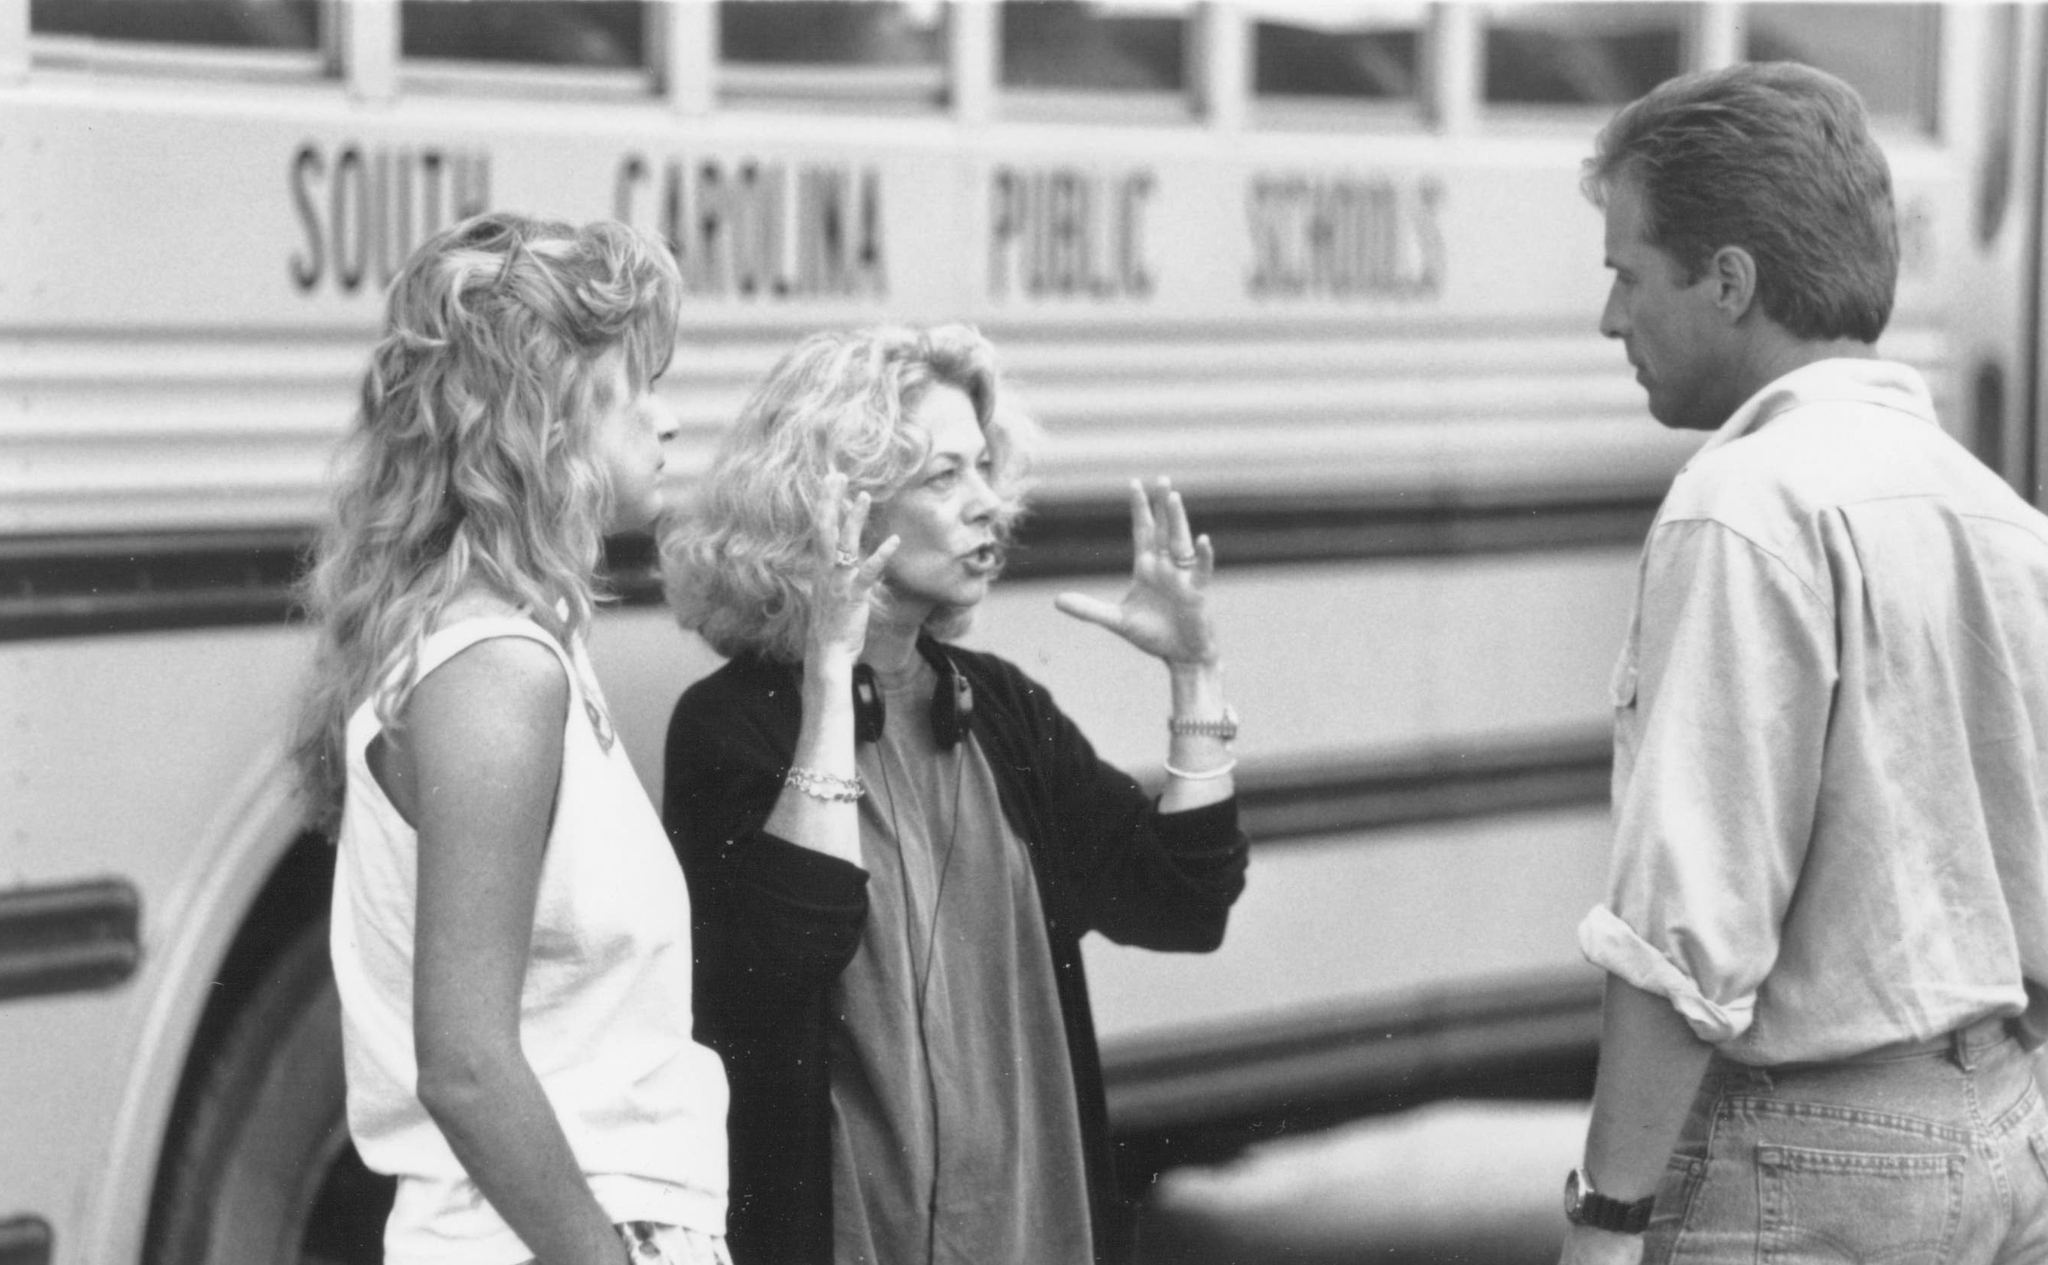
x,y
1776,158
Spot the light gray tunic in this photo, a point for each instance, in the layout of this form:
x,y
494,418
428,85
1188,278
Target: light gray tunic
x,y
956,1138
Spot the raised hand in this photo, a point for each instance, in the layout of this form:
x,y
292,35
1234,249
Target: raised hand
x,y
1164,612
843,582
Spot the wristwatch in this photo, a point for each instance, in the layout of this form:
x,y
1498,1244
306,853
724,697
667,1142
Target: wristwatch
x,y
1225,728
1585,1206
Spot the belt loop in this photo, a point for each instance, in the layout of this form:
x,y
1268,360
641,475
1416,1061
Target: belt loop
x,y
1959,1049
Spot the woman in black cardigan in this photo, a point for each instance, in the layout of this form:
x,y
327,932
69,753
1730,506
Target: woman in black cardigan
x,y
894,845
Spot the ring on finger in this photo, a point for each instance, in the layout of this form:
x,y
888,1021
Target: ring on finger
x,y
1183,560
845,559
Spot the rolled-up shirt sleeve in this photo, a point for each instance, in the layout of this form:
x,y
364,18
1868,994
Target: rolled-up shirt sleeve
x,y
1722,703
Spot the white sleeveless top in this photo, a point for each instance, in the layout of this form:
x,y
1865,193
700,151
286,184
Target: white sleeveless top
x,y
605,1012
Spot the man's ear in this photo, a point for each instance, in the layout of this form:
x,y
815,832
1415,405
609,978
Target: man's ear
x,y
1733,272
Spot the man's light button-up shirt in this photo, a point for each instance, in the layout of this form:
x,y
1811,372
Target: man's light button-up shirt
x,y
1831,731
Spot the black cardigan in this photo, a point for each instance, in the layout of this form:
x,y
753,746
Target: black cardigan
x,y
774,923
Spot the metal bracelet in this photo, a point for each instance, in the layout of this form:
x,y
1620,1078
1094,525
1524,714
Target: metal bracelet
x,y
1224,727
829,787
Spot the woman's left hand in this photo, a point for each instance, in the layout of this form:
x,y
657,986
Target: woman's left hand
x,y
1165,611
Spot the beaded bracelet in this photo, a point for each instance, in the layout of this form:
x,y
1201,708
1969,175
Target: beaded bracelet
x,y
1204,775
829,787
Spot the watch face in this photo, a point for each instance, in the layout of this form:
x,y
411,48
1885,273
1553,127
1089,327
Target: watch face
x,y
1574,1195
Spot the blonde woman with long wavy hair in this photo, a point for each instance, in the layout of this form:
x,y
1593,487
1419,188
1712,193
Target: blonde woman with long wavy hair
x,y
895,844
510,930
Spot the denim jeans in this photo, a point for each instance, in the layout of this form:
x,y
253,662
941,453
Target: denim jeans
x,y
1935,1154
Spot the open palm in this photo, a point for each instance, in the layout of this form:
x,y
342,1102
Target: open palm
x,y
1164,612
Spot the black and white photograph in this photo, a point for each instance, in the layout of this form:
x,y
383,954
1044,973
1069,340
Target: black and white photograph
x,y
1023,632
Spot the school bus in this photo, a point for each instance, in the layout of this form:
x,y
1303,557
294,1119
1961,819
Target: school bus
x,y
1327,265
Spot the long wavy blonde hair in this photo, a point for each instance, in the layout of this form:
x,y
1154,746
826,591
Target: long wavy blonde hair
x,y
736,561
471,464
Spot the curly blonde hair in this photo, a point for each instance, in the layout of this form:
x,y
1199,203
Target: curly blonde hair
x,y
735,562
472,460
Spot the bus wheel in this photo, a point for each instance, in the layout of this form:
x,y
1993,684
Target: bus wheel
x,y
263,1169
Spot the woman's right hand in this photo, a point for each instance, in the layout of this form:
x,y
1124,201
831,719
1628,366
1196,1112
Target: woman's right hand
x,y
842,581
841,586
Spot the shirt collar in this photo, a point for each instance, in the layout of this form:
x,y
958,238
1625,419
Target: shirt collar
x,y
1885,383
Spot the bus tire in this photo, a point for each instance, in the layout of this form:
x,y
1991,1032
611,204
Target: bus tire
x,y
262,1169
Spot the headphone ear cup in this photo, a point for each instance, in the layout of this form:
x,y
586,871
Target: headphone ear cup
x,y
869,712
952,708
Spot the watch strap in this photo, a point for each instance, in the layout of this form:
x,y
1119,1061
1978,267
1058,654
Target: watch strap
x,y
1224,728
1586,1206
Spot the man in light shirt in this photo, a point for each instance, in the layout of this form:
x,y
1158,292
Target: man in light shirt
x,y
1828,908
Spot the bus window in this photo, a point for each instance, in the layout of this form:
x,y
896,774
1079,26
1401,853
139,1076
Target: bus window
x,y
556,48
287,24
1314,57
1888,52
285,39
871,51
1581,54
1107,60
595,33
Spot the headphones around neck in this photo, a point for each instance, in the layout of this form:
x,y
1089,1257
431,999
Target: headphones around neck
x,y
952,702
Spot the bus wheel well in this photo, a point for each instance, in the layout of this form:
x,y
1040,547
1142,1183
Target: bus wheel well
x,y
292,905
293,898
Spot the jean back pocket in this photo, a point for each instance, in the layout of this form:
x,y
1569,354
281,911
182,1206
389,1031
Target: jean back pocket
x,y
1842,1207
